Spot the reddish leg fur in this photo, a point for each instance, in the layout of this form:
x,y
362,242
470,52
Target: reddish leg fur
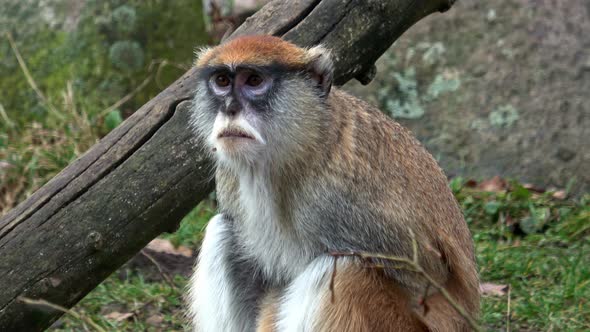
x,y
366,301
363,301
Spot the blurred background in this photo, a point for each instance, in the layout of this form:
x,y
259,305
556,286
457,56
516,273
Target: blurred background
x,y
497,91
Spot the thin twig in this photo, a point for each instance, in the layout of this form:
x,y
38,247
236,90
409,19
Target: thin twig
x,y
450,299
67,311
164,275
137,310
127,97
414,247
414,266
333,279
161,64
29,77
508,311
432,250
5,117
159,73
423,299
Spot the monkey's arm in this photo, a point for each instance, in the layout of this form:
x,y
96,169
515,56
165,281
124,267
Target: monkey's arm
x,y
360,300
223,291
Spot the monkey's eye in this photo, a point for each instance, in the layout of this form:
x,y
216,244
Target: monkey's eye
x,y
222,80
254,80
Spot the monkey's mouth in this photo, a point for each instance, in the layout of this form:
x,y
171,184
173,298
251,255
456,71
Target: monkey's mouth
x,y
234,133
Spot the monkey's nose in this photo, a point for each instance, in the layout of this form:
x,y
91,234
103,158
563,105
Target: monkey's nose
x,y
232,109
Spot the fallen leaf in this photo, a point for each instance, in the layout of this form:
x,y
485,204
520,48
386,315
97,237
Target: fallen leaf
x,y
495,184
471,183
560,194
4,164
118,316
155,320
533,188
165,246
509,221
491,289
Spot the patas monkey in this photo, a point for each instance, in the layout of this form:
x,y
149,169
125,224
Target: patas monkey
x,y
304,170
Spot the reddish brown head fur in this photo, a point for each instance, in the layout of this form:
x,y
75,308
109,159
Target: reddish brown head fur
x,y
255,50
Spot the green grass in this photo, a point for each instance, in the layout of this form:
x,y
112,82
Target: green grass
x,y
547,269
190,232
33,153
144,300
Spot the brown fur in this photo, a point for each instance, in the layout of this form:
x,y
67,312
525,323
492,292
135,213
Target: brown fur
x,y
366,301
268,311
255,50
356,149
363,301
416,193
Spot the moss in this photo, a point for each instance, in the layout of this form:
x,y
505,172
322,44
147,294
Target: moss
x,y
445,82
126,55
433,52
416,80
124,18
504,116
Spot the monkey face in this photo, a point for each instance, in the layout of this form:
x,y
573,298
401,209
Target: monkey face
x,y
251,106
255,114
239,107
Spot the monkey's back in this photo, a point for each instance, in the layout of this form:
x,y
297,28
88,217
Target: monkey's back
x,y
380,174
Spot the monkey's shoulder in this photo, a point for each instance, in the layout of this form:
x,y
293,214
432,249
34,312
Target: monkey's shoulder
x,y
374,153
368,118
367,137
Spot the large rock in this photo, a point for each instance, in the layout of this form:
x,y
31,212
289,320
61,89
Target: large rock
x,y
496,88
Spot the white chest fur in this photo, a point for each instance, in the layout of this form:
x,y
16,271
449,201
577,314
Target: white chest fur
x,y
270,241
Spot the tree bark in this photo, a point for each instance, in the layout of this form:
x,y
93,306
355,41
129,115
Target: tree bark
x,y
142,178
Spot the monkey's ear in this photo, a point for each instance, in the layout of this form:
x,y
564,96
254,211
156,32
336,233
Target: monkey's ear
x,y
321,67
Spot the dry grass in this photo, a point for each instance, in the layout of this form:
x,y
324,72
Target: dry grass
x,y
32,155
